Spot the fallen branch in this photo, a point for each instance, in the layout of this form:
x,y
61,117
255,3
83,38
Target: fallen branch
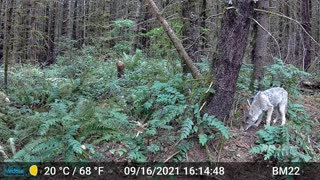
x,y
171,156
175,40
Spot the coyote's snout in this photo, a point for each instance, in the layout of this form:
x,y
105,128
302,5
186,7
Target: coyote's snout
x,y
266,101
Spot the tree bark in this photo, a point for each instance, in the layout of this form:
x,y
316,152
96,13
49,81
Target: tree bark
x,y
65,17
32,38
70,19
84,23
7,27
16,32
28,31
298,31
1,32
260,47
306,23
231,47
51,34
191,31
145,27
175,40
135,41
213,26
203,25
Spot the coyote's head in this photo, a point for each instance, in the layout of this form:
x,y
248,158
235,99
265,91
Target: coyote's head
x,y
255,111
254,114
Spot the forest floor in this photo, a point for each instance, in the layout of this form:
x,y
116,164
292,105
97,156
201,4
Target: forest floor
x,y
236,149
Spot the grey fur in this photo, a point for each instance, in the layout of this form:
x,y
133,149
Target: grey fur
x,y
266,101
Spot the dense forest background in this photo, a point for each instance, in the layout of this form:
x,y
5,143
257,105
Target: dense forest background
x,y
40,30
103,80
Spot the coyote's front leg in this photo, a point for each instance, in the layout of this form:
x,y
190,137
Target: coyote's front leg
x,y
270,110
282,109
277,110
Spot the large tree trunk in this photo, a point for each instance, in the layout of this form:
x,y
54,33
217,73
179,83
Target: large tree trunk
x,y
306,23
175,40
191,31
260,47
231,47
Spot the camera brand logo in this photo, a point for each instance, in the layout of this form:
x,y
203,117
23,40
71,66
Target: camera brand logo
x,y
13,170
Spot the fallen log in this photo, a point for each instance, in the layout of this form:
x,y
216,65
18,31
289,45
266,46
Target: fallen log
x,y
310,84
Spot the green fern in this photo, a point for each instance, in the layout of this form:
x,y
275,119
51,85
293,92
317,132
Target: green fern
x,y
283,144
153,148
183,148
136,151
214,122
186,128
264,148
203,138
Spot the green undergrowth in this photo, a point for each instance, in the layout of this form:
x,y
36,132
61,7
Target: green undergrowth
x,y
65,112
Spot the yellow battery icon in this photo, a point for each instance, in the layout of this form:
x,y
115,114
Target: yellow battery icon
x,y
33,170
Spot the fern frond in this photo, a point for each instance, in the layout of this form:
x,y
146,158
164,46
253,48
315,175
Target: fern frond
x,y
203,138
186,128
214,122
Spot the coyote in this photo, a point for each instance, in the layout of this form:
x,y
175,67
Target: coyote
x,y
266,101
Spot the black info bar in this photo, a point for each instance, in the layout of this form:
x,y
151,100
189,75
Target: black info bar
x,y
159,170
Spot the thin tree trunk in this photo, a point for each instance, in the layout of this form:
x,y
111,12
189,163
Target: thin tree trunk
x,y
203,17
84,22
175,40
135,41
212,24
260,47
51,34
1,32
7,27
65,18
145,27
16,31
28,31
75,21
32,38
70,19
306,23
298,46
231,47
